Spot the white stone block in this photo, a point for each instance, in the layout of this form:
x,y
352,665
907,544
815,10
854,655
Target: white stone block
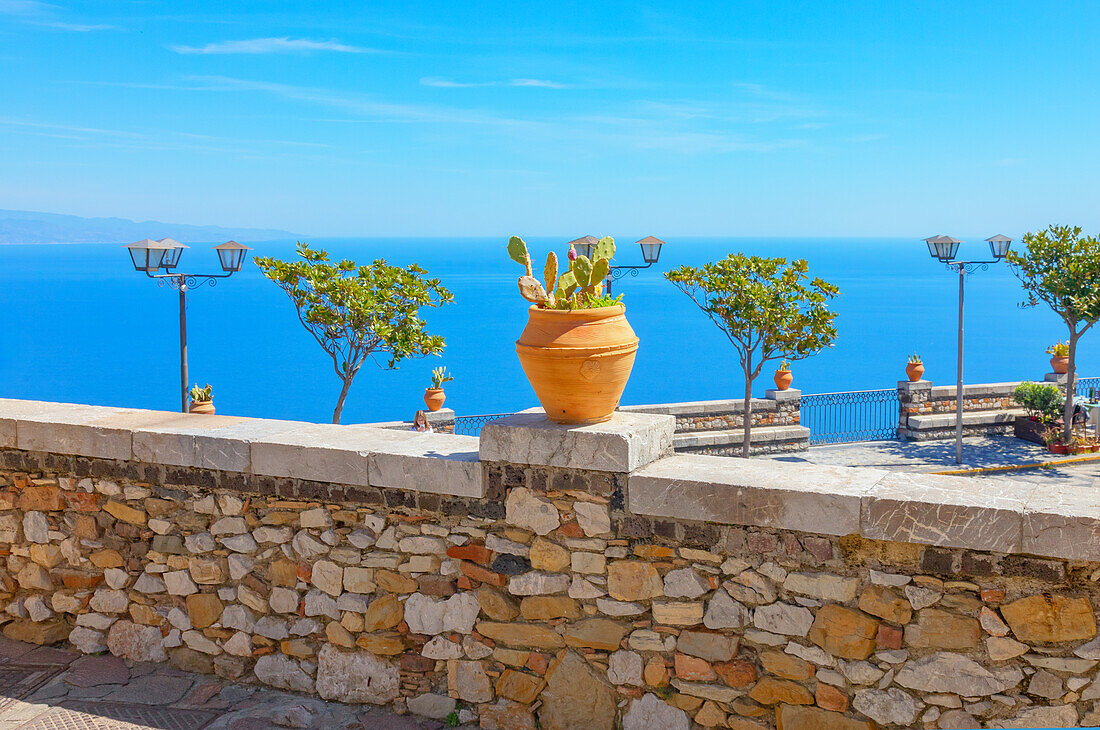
x,y
625,443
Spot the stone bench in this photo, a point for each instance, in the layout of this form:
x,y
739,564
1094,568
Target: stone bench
x,y
763,440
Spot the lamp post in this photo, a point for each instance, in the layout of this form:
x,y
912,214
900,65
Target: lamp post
x,y
944,248
151,256
651,251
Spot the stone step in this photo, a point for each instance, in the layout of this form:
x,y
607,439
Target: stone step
x,y
733,436
970,418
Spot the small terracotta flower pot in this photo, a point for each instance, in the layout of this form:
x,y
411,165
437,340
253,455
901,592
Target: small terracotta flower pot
x,y
202,406
433,398
783,379
1060,364
1058,448
915,371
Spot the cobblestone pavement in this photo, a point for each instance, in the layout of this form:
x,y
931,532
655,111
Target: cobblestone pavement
x,y
931,456
43,688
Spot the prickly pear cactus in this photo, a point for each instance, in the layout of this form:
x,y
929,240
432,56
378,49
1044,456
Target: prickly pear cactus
x,y
584,276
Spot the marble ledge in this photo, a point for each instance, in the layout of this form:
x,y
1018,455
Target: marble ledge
x,y
997,515
353,455
627,442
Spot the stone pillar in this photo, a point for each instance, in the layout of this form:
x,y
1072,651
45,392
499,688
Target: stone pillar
x,y
526,450
913,399
441,421
788,405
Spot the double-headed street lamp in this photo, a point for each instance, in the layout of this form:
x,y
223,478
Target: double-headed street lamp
x,y
651,251
944,248
151,256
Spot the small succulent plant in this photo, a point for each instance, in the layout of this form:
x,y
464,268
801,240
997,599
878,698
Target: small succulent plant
x,y
201,395
579,287
784,367
440,376
914,359
1059,349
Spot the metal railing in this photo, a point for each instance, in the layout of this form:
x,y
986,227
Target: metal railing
x,y
471,425
1088,386
855,415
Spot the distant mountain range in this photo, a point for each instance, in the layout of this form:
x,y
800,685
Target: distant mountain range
x,y
24,226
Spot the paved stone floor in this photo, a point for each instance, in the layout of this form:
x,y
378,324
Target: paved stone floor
x,y
978,452
43,688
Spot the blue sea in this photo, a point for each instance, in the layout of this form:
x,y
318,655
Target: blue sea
x,y
80,325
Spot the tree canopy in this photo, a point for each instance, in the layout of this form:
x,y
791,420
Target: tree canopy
x,y
768,308
1061,268
359,312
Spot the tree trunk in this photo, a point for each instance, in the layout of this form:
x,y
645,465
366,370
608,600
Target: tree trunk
x,y
748,416
1071,371
340,402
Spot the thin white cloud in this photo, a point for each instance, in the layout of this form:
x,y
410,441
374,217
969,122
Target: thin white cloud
x,y
537,82
444,83
79,27
24,7
272,45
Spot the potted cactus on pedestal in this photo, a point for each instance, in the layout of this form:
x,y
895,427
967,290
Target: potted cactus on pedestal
x,y
914,369
577,349
434,397
783,377
202,399
1059,357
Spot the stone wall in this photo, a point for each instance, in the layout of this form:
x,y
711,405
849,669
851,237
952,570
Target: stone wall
x,y
927,412
585,576
716,427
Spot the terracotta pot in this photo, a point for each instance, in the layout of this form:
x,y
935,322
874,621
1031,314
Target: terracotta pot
x,y
202,406
578,361
915,371
1060,364
783,379
1058,448
433,398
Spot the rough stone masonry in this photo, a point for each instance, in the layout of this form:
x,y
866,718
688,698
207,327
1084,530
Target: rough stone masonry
x,y
577,578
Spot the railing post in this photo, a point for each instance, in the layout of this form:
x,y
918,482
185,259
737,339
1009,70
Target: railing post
x,y
913,399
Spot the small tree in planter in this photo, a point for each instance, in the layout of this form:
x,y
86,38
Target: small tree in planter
x,y
768,308
358,312
1061,268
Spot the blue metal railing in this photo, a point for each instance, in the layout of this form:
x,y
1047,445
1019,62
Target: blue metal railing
x,y
855,415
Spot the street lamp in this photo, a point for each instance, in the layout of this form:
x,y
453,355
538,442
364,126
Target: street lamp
x,y
651,251
944,249
150,256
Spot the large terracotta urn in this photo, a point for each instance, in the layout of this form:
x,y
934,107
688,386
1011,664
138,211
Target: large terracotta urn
x,y
578,361
1060,364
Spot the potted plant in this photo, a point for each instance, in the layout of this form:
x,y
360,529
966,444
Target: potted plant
x,y
434,396
1059,357
914,370
1042,403
577,349
783,377
202,400
1054,440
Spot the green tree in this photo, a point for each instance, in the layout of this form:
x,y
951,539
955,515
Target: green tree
x,y
1061,267
769,310
358,312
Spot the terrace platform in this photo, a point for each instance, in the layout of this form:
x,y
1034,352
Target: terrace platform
x,y
979,452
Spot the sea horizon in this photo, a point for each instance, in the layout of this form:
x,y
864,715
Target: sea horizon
x,y
244,338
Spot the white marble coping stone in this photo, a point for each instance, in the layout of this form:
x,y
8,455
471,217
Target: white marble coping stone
x,y
996,514
970,418
810,498
438,463
626,442
68,428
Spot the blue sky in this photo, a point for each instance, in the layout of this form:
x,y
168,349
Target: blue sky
x,y
488,118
